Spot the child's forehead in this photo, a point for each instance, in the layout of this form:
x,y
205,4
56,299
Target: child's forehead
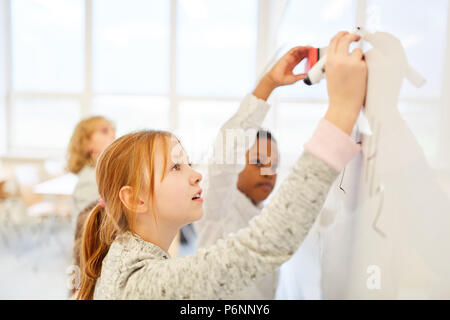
x,y
177,153
105,122
170,150
100,124
167,152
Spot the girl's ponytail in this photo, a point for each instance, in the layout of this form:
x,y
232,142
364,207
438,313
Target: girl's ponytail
x,y
93,251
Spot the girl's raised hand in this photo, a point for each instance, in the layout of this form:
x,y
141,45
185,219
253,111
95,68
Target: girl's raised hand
x,y
282,73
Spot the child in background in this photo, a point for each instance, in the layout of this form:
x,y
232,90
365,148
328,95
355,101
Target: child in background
x,y
14,218
257,180
149,192
79,228
90,137
234,193
13,210
3,193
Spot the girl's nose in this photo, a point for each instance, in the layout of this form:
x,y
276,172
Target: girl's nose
x,y
196,177
268,172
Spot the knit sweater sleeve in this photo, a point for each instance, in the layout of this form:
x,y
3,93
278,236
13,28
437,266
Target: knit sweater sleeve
x,y
235,262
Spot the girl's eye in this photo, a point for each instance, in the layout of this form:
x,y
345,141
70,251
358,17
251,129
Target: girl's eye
x,y
190,164
176,167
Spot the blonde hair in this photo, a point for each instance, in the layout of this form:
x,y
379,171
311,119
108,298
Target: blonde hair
x,y
77,154
123,163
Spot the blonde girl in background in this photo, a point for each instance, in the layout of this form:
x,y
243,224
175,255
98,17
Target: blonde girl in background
x,y
90,137
149,191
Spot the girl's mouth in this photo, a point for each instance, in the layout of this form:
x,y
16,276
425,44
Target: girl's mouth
x,y
198,196
265,186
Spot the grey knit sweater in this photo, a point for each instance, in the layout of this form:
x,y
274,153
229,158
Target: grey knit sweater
x,y
136,269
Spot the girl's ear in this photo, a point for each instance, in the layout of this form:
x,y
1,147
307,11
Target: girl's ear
x,y
126,196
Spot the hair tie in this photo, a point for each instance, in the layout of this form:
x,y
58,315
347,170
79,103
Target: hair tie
x,y
102,204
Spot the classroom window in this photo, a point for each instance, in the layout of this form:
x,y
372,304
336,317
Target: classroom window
x,y
131,46
130,113
147,64
43,123
47,45
216,47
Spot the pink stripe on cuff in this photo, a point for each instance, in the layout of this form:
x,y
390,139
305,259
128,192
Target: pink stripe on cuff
x,y
332,145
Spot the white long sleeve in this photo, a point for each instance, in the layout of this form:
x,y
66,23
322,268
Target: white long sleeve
x,y
220,182
85,191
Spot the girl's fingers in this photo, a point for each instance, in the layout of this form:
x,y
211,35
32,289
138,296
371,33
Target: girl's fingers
x,y
300,52
358,53
293,78
299,49
335,41
345,41
300,76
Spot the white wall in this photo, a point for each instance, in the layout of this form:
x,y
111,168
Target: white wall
x,y
3,76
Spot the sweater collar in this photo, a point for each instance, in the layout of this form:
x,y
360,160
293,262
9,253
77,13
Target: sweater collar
x,y
133,240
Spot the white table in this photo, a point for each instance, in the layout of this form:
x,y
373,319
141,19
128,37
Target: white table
x,y
60,188
63,185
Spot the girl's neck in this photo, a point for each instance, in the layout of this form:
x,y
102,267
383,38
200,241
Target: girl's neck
x,y
155,232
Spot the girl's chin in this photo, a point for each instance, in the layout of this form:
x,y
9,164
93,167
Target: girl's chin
x,y
194,216
198,215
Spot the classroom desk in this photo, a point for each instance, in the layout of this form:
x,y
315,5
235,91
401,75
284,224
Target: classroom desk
x,y
59,190
60,186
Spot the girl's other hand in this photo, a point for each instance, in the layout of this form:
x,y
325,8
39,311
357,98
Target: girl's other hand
x,y
346,75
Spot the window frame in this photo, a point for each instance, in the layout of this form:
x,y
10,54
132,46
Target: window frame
x,y
266,38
